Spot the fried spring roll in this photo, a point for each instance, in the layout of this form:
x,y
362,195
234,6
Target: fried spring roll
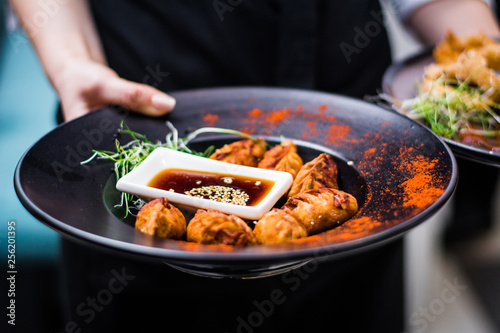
x,y
321,209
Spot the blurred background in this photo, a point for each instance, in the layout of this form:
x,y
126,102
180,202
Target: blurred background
x,y
27,104
27,112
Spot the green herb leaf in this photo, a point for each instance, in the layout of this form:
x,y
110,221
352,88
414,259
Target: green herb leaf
x,y
451,106
132,154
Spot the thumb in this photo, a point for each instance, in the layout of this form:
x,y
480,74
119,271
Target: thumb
x,y
137,97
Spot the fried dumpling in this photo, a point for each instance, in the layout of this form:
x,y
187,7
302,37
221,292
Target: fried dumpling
x,y
320,172
474,59
214,227
159,217
321,209
278,226
451,48
282,157
243,152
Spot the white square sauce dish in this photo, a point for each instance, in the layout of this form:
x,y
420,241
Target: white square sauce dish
x,y
199,182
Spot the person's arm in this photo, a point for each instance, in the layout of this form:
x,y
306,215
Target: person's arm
x,y
71,54
431,21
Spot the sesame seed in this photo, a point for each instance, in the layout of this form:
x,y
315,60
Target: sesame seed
x,y
220,193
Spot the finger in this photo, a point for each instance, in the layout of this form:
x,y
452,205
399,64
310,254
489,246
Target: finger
x,y
137,97
74,111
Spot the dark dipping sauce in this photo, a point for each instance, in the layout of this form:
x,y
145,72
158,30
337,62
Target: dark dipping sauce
x,y
182,181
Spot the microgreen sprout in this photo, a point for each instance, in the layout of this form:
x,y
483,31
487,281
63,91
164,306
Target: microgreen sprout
x,y
451,106
130,155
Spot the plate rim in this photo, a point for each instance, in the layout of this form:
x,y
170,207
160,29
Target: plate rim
x,y
341,248
462,150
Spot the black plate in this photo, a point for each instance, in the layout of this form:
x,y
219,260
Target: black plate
x,y
380,154
400,81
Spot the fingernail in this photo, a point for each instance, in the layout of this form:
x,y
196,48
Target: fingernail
x,y
164,102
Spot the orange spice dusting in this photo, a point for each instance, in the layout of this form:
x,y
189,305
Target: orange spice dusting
x,y
191,246
420,189
265,122
275,117
322,116
255,113
312,129
336,132
250,123
248,130
370,151
410,182
356,228
210,119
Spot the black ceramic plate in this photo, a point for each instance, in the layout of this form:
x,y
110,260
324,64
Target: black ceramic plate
x,y
400,81
398,170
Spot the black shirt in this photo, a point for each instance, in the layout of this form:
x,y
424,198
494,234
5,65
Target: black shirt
x,y
334,46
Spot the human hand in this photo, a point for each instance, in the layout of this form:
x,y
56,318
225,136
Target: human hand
x,y
432,20
84,86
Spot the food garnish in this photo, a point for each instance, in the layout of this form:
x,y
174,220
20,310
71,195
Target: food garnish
x,y
464,109
130,155
317,206
458,96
